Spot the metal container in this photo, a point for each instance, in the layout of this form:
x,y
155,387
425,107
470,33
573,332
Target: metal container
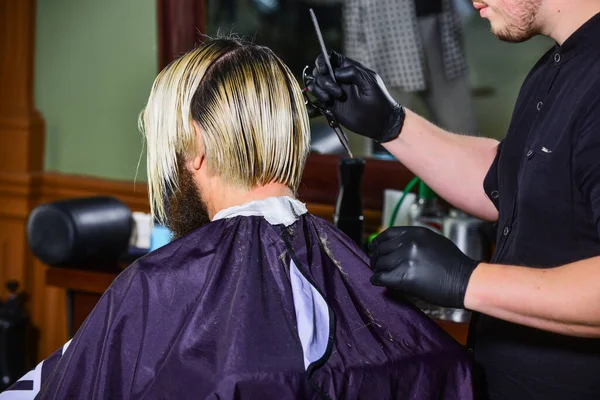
x,y
468,234
458,315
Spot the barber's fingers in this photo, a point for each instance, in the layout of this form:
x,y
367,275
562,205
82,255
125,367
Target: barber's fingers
x,y
319,93
353,73
320,66
325,89
387,235
388,261
396,246
348,74
327,84
335,59
324,78
392,279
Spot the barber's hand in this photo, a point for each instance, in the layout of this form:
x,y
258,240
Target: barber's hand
x,y
422,263
359,99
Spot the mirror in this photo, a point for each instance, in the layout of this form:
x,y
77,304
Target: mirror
x,y
285,26
495,69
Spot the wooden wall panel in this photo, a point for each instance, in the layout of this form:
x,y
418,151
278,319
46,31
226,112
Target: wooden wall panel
x,y
21,126
48,311
61,186
21,153
180,24
21,141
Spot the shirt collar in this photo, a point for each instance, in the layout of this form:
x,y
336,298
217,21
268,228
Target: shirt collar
x,y
276,210
584,37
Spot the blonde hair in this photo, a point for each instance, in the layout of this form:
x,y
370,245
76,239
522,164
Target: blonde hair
x,y
250,109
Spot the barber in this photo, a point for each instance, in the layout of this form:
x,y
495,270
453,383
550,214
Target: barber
x,y
535,331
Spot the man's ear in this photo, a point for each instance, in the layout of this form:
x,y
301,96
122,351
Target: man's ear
x,y
196,163
198,160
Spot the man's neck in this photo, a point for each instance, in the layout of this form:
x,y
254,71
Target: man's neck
x,y
563,18
232,196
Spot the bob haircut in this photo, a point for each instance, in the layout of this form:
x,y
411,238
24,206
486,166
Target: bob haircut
x,y
250,109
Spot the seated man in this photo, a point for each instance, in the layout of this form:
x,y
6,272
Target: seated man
x,y
255,298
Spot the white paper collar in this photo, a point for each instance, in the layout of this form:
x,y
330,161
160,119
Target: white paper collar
x,y
276,210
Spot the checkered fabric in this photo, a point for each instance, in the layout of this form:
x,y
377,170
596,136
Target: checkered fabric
x,y
384,36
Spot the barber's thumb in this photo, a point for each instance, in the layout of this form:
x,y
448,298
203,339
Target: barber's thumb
x,y
332,88
319,93
348,75
336,59
321,66
386,278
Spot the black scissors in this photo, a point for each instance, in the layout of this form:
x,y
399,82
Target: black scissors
x,y
314,104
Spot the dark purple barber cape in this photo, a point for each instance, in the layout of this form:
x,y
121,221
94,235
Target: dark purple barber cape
x,y
265,302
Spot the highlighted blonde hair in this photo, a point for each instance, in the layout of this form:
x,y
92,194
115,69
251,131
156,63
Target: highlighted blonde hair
x,y
250,110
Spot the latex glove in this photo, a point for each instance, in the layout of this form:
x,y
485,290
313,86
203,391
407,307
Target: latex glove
x,y
421,263
359,100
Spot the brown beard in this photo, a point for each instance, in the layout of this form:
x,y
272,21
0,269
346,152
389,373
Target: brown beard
x,y
186,210
521,27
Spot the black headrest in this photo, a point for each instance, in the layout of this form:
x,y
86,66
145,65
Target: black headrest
x,y
77,231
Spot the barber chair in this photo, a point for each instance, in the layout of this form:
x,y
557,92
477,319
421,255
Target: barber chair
x,y
78,232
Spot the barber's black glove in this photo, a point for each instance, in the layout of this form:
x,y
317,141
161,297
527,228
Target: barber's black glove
x,y
359,99
421,263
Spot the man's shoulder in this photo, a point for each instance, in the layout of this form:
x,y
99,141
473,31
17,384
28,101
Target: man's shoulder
x,y
196,245
212,243
201,246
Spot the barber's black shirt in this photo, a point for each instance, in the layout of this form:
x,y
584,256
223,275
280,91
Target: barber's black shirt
x,y
545,182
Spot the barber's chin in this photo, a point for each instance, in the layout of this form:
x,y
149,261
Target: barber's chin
x,y
511,37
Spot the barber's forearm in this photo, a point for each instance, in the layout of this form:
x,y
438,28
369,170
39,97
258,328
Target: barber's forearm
x,y
564,299
453,165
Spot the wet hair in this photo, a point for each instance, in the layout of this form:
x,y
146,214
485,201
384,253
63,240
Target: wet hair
x,y
249,107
